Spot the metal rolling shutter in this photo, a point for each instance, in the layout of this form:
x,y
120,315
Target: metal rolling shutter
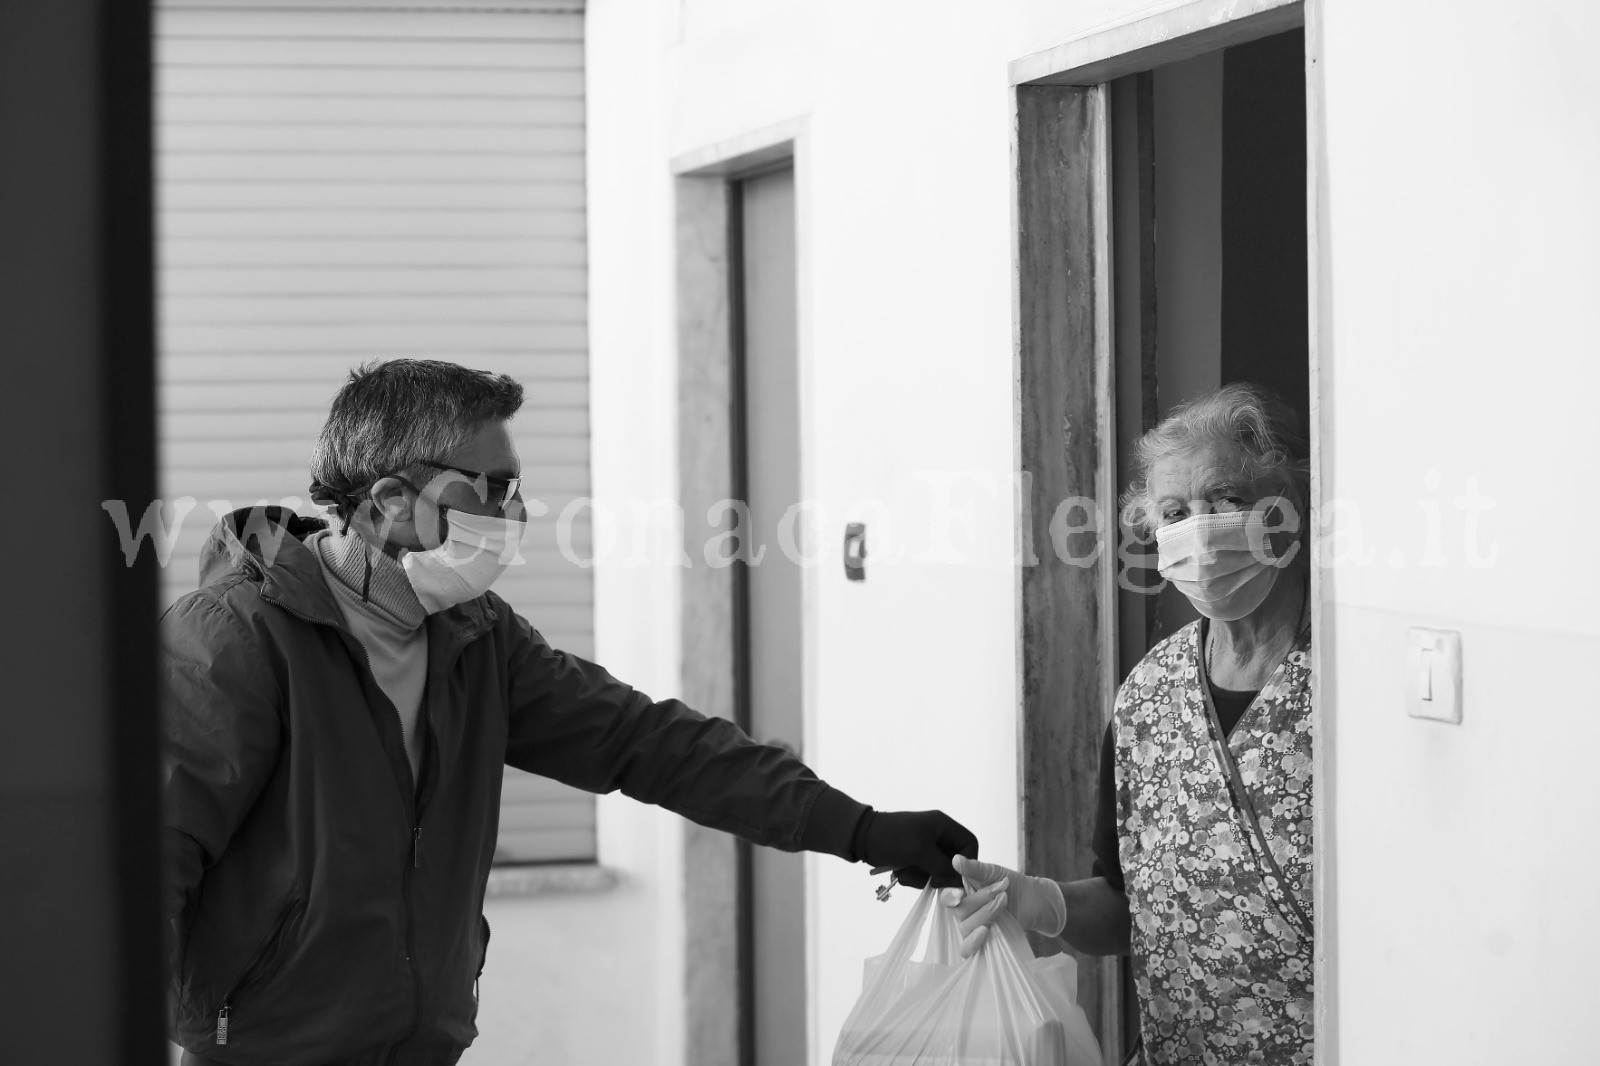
x,y
352,180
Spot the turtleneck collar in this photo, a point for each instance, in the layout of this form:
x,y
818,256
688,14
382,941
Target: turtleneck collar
x,y
383,590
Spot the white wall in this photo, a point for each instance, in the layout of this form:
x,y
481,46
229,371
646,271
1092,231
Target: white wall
x,y
596,979
1461,265
1463,229
904,222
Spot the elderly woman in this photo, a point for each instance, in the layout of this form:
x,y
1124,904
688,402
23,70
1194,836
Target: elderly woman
x,y
1203,841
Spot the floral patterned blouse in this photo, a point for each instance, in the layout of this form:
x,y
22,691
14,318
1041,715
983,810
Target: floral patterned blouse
x,y
1215,845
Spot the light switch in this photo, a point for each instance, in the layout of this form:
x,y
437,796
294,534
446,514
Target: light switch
x,y
1424,678
1433,660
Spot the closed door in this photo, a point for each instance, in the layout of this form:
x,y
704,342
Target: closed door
x,y
768,446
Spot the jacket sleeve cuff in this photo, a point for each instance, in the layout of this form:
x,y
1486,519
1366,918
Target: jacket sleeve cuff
x,y
831,826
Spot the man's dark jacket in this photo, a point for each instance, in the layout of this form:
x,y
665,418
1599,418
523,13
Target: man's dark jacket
x,y
320,905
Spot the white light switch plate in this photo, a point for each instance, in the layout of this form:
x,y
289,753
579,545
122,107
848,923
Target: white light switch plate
x,y
1433,674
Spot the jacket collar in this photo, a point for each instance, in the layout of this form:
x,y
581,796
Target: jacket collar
x,y
267,544
375,580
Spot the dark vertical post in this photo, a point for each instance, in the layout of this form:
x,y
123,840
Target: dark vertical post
x,y
80,926
1058,147
1149,353
739,480
1137,337
1137,384
128,444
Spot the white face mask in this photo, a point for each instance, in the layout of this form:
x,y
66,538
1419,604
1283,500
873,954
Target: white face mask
x,y
476,550
1221,562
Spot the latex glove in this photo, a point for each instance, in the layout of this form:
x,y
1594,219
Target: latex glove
x,y
917,845
1036,902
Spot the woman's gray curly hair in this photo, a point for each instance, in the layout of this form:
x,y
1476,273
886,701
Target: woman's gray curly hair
x,y
1254,421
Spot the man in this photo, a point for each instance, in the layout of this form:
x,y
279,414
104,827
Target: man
x,y
340,701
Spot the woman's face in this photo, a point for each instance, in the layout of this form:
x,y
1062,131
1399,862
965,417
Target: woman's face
x,y
1206,480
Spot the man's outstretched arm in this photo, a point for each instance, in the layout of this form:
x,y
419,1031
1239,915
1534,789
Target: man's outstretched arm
x,y
572,721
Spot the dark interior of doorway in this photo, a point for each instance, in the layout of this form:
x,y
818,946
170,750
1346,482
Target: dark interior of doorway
x,y
1209,232
1208,175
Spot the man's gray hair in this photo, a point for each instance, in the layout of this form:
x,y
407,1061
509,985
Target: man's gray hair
x,y
1252,420
392,416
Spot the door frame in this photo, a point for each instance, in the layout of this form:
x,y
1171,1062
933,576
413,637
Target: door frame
x,y
1065,414
718,1011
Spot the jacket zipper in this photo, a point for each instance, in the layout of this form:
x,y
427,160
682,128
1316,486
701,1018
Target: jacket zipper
x,y
414,815
411,936
273,941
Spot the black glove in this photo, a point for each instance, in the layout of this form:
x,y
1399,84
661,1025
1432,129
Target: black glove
x,y
917,845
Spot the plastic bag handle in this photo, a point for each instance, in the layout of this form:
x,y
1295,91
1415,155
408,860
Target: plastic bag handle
x,y
944,939
904,944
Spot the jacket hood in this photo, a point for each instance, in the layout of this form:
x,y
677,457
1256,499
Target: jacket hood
x,y
267,544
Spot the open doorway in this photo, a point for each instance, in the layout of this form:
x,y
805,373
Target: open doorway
x,y
1209,249
1161,252
743,651
1210,288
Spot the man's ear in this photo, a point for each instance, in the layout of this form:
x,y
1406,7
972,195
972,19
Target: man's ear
x,y
387,502
389,511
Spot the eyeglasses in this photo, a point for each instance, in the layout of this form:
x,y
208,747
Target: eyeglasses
x,y
493,490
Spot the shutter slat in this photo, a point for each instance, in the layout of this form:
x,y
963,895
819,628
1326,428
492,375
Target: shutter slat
x,y
396,138
562,482
401,253
221,79
176,281
572,845
339,337
342,185
521,789
421,53
202,396
304,423
316,197
372,225
310,21
179,112
487,164
236,452
335,309
315,371
546,811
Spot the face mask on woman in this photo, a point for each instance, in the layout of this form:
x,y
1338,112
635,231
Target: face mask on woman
x,y
476,550
1221,562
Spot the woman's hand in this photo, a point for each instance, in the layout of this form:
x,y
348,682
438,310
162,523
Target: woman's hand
x,y
1036,902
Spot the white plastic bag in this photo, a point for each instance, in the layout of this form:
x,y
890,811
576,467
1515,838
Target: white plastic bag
x,y
1002,1007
